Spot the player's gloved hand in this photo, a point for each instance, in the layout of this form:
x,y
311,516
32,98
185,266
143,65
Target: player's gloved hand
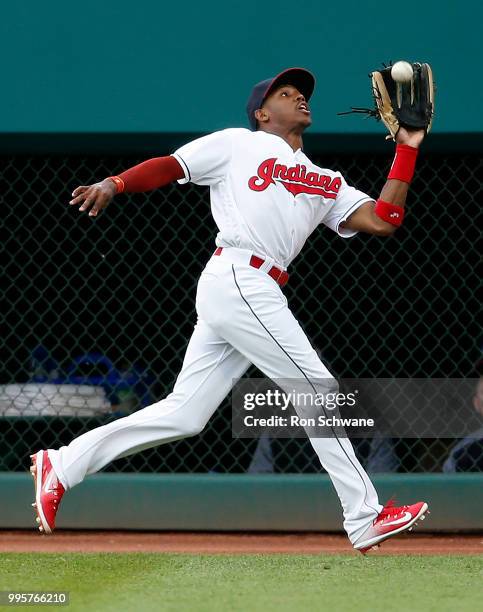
x,y
405,107
96,196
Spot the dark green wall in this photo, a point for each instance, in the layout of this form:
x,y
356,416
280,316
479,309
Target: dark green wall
x,y
154,66
221,502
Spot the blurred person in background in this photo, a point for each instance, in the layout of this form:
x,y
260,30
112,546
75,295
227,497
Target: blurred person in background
x,y
467,454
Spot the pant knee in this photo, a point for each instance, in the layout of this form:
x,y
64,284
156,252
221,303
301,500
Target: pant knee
x,y
188,425
192,429
332,386
320,382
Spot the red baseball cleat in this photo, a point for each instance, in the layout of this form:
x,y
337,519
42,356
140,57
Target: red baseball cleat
x,y
48,491
391,521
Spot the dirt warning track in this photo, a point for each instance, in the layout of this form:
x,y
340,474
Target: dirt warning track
x,y
229,543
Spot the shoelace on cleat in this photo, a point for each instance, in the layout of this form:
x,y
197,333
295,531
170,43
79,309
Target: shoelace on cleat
x,y
389,510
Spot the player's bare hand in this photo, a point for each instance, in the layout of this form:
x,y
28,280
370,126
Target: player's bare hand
x,y
94,197
413,138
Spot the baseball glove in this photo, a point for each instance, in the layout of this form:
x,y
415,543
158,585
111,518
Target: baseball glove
x,y
410,104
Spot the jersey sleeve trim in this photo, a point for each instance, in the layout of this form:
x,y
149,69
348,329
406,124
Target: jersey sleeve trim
x,y
186,170
347,233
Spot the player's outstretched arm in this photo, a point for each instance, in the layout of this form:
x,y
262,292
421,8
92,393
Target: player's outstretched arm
x,y
148,175
385,216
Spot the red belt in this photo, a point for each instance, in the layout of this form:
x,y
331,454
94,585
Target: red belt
x,y
279,276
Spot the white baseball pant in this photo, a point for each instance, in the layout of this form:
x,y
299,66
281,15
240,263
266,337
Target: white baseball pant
x,y
243,318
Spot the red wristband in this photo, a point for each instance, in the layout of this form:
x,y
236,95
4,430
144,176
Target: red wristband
x,y
404,163
117,180
389,212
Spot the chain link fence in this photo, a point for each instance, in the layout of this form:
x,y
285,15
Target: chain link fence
x,y
97,313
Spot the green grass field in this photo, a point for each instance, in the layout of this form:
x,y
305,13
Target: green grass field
x,y
212,583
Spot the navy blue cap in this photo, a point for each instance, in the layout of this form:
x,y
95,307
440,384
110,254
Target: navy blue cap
x,y
300,78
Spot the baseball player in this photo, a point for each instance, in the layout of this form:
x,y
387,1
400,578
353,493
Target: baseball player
x,y
267,197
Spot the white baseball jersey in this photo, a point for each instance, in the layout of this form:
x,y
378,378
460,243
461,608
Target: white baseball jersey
x,y
265,197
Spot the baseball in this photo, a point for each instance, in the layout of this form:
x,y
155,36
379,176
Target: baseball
x,y
402,72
